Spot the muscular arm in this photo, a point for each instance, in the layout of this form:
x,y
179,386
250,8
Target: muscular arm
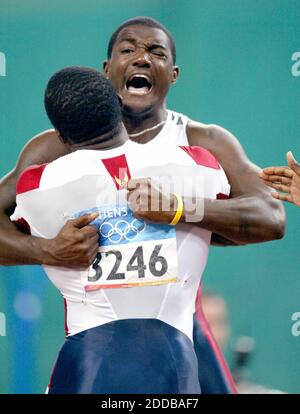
x,y
219,241
250,215
76,243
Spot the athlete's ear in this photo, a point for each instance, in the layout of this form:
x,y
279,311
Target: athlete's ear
x,y
106,66
120,98
62,139
175,74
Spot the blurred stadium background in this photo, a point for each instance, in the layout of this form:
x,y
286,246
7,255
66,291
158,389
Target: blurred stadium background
x,y
236,59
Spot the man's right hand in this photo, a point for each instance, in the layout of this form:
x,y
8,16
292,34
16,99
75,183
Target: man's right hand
x,y
75,246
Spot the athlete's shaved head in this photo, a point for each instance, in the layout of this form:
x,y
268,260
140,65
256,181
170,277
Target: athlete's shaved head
x,y
82,104
141,21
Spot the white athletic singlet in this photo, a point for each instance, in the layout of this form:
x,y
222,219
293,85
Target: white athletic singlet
x,y
142,270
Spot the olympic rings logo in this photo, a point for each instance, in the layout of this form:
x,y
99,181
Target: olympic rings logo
x,y
122,230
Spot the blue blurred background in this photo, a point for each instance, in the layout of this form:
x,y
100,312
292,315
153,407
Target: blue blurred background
x,y
236,71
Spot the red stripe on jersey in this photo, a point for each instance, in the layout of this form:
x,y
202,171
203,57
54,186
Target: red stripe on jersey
x,y
52,372
213,343
24,226
66,317
201,156
118,169
222,196
30,178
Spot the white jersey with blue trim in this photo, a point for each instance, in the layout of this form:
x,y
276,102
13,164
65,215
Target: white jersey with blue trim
x,y
142,270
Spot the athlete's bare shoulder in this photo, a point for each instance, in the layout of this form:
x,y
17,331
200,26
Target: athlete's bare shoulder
x,y
215,139
42,148
221,143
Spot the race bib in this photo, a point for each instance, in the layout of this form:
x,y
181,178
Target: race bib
x,y
132,252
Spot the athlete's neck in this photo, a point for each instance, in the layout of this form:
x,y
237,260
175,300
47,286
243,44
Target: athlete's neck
x,y
104,142
144,126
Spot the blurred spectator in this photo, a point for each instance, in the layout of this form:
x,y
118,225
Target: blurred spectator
x,y
215,310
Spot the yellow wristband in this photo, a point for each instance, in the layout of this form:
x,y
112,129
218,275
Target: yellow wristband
x,y
179,211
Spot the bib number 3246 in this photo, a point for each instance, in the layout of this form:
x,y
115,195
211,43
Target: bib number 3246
x,y
123,267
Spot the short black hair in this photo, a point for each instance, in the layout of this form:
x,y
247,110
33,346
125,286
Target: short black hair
x,y
143,21
81,104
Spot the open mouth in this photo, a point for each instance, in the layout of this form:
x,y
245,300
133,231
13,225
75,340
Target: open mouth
x,y
139,85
